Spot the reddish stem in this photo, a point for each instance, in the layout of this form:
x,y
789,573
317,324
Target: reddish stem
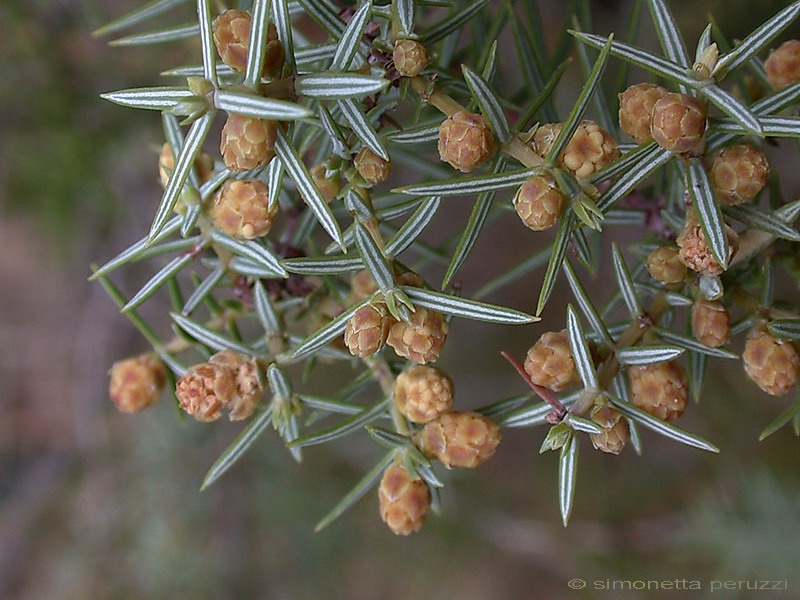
x,y
559,410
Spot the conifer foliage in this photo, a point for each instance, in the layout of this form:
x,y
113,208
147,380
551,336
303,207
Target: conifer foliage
x,y
346,125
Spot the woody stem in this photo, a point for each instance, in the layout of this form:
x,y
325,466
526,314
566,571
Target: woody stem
x,y
380,369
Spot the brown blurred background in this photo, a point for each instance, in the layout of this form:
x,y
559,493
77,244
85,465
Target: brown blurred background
x,y
95,504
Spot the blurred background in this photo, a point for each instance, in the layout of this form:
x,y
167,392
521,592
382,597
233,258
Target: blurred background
x,y
96,504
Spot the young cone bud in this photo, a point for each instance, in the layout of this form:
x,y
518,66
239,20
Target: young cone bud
x,y
228,380
460,439
465,141
739,173
544,137
679,122
636,110
783,65
232,39
665,265
410,57
372,168
166,165
240,209
247,142
773,364
329,186
423,393
616,433
549,362
539,202
711,322
136,383
423,340
704,66
362,285
694,250
404,503
322,313
367,330
590,149
410,278
662,389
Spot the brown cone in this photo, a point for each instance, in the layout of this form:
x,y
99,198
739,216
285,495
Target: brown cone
x,y
362,285
367,330
465,141
204,390
241,209
694,251
739,173
590,149
423,393
539,203
136,383
423,339
203,164
549,362
410,57
665,265
247,142
228,380
404,503
636,110
616,433
711,322
783,65
662,389
372,168
771,363
329,185
232,39
460,439
679,122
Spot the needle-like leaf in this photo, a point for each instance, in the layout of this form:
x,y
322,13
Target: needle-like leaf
x,y
239,447
299,173
757,40
140,15
351,39
469,309
708,211
659,426
580,350
581,103
567,474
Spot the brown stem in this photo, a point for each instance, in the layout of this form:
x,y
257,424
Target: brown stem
x,y
436,98
380,369
371,224
523,153
280,89
751,305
